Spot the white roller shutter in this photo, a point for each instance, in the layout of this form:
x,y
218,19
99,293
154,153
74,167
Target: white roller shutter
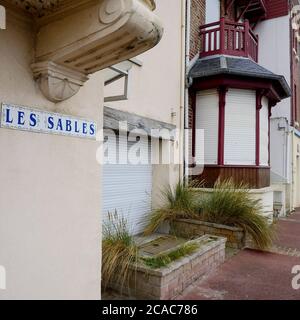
x,y
240,127
207,119
264,133
127,189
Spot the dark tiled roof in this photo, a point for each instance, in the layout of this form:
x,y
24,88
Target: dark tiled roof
x,y
243,67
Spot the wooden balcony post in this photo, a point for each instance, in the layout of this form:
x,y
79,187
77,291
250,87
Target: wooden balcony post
x,y
247,38
256,57
222,35
221,144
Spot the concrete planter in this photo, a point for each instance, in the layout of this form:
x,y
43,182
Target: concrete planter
x,y
167,283
236,238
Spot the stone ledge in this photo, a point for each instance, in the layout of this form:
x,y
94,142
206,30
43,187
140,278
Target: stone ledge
x,y
210,224
189,228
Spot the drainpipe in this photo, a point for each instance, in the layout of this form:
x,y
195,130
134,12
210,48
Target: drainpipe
x,y
182,88
185,88
293,164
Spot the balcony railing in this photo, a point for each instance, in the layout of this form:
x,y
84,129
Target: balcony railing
x,y
230,38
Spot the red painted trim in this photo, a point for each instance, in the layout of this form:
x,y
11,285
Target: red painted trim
x,y
228,5
222,36
269,131
295,102
237,83
259,95
227,32
193,97
236,166
221,143
292,122
257,133
276,8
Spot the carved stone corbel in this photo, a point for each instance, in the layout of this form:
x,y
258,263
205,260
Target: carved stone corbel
x,y
72,45
56,82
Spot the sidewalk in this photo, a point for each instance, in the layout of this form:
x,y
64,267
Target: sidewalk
x,y
256,275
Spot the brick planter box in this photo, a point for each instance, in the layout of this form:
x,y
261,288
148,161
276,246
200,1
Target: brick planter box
x,y
194,228
168,282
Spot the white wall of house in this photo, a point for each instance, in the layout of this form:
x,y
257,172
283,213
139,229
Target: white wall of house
x,y
155,89
50,199
279,150
274,54
296,169
281,159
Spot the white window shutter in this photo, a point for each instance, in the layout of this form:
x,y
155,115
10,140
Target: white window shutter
x,y
207,119
240,127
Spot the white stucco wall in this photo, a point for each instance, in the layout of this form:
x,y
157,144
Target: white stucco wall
x,y
279,145
274,54
50,199
296,169
154,88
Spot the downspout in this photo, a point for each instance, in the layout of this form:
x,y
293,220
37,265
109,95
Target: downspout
x,y
293,164
182,91
185,88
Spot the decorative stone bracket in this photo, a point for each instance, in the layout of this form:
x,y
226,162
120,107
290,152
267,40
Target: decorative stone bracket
x,y
73,44
57,82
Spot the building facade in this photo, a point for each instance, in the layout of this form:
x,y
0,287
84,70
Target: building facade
x,y
52,97
153,119
238,90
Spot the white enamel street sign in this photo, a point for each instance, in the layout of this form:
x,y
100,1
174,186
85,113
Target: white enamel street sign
x,y
23,118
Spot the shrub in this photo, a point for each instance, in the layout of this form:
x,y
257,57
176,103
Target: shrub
x,y
119,251
179,204
232,205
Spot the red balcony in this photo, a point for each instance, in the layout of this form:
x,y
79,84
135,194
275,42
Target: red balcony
x,y
230,38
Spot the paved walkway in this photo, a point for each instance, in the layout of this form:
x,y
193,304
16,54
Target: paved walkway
x,y
256,275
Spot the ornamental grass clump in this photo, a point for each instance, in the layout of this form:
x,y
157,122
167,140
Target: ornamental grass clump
x,y
119,251
179,204
232,205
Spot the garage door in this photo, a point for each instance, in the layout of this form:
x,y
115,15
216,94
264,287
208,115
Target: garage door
x,y
127,188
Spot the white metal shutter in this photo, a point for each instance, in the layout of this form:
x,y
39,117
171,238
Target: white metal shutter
x,y
264,133
240,127
127,189
207,119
